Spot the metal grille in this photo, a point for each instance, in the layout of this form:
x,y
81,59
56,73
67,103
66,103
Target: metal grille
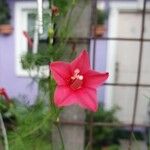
x,y
136,85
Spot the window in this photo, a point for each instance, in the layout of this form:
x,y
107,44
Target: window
x,y
25,16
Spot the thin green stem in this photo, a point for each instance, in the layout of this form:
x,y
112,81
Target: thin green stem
x,y
38,127
61,137
87,146
136,142
4,132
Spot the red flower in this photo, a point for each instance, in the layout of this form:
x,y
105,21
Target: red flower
x,y
76,82
29,39
4,93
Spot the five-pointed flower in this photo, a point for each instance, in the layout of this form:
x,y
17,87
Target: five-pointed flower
x,y
76,82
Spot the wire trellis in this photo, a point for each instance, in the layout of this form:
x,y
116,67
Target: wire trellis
x,y
137,85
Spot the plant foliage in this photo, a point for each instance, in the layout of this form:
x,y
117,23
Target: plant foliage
x,y
4,15
105,136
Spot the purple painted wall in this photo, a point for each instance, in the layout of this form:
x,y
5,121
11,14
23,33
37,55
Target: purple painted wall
x,y
100,63
19,87
100,59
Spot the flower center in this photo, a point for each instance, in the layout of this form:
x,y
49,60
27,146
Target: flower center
x,y
76,80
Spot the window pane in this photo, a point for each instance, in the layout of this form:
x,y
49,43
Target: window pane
x,y
145,70
147,24
43,38
122,97
143,106
31,23
129,24
122,61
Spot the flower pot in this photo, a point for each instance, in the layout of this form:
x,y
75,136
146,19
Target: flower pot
x,y
98,30
6,29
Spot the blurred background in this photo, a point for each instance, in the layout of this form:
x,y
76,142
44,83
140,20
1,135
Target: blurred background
x,y
118,32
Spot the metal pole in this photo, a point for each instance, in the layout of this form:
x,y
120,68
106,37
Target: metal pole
x,y
139,73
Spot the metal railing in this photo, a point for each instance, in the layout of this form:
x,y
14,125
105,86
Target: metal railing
x,y
137,85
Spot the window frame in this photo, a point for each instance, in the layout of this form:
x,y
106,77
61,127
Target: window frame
x,y
21,46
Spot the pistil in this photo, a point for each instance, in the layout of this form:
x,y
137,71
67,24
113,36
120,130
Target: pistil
x,y
76,80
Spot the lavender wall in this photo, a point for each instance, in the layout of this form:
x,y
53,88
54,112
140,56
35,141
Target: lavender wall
x,y
19,87
99,63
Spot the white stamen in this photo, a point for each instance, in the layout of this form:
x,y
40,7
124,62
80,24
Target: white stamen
x,y
72,77
77,75
80,77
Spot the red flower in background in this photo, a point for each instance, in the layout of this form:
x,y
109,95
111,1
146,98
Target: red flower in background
x,y
4,93
55,10
76,82
29,39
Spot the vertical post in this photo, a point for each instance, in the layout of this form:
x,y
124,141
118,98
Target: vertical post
x,y
93,23
40,15
35,38
139,73
73,135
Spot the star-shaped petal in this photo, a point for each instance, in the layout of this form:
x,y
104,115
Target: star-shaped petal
x,y
76,82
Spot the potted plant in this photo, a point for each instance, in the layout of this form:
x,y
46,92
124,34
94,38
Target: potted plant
x,y
5,27
105,138
100,28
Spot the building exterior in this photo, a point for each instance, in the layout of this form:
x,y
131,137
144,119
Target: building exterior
x,y
21,87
